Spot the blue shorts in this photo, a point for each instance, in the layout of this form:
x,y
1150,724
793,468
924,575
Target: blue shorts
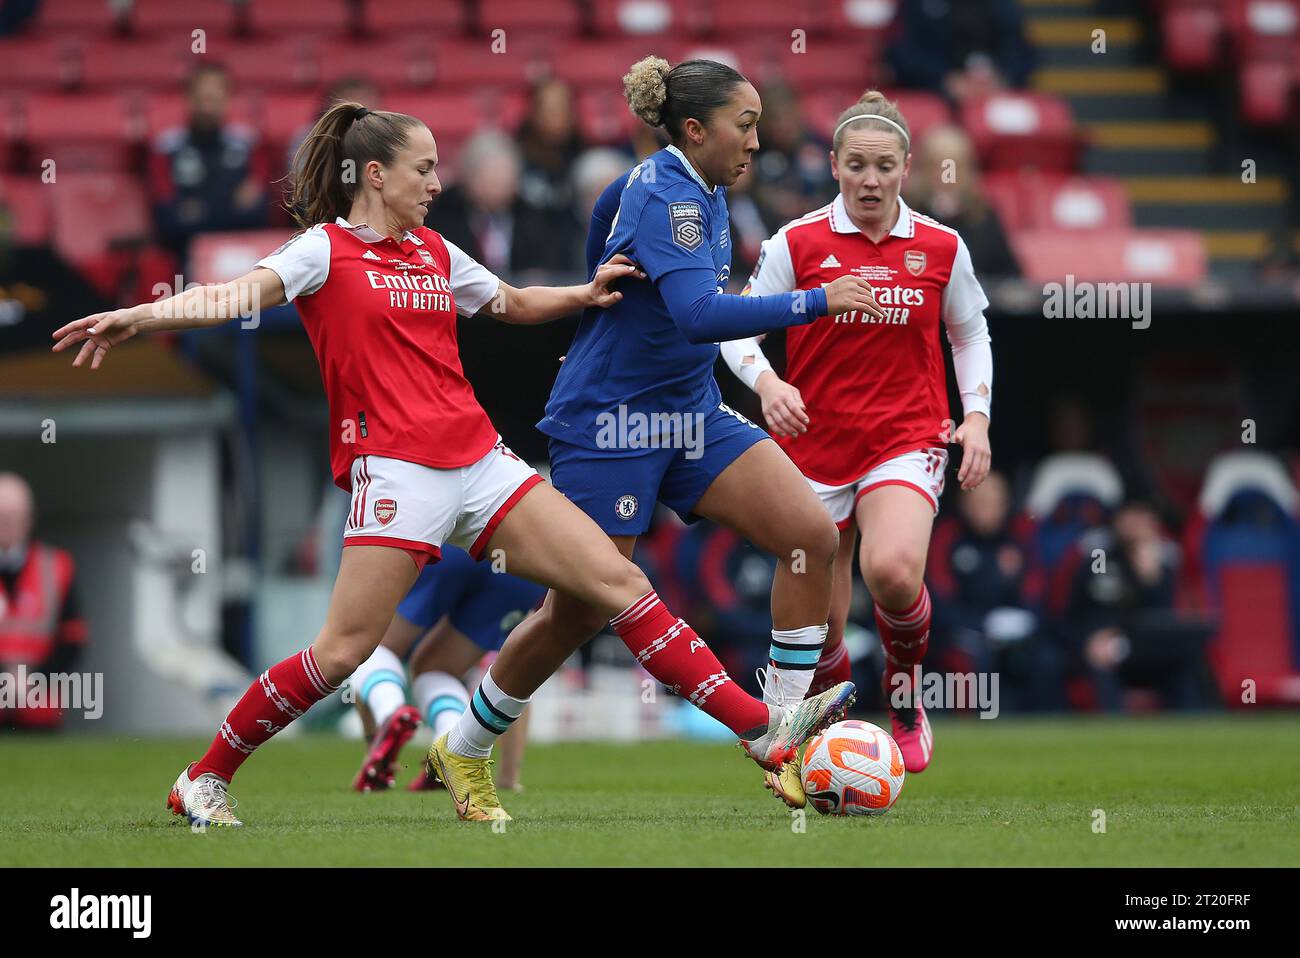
x,y
619,487
483,604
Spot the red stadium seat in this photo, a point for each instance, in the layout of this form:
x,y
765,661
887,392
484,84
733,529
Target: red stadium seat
x,y
603,117
470,64
650,18
92,131
39,63
1161,257
528,17
1076,203
589,64
282,119
1264,29
93,212
390,18
454,116
179,20
1022,129
391,63
74,16
1192,33
221,257
826,62
28,201
871,16
1003,191
778,18
278,18
1265,91
923,111
122,65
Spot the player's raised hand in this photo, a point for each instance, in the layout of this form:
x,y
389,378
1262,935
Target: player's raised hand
x,y
97,334
849,293
976,456
783,406
603,293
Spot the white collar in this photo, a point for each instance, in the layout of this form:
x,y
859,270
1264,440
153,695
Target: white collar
x,y
840,222
690,169
363,232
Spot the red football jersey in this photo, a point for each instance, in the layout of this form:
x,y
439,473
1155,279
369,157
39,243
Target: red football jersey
x,y
381,315
874,389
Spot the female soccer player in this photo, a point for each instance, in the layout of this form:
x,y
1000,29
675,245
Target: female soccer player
x,y
379,294
635,415
457,610
864,414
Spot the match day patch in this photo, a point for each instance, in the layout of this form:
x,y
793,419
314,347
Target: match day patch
x,y
385,509
688,225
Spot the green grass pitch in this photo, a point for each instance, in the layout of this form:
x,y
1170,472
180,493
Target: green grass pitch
x,y
1204,791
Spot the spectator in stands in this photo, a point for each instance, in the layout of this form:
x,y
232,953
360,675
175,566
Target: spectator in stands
x,y
41,629
1120,615
945,184
960,49
594,170
982,583
791,175
208,175
549,143
486,217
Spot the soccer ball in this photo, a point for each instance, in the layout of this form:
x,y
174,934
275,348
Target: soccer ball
x,y
853,768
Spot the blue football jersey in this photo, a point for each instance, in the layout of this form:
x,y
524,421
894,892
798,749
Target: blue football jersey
x,y
633,354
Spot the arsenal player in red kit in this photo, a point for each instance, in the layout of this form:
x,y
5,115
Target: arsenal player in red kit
x,y
863,411
379,294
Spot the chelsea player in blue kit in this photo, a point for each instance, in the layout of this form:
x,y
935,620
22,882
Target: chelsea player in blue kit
x,y
636,416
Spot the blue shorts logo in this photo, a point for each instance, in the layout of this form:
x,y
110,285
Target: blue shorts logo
x,y
625,507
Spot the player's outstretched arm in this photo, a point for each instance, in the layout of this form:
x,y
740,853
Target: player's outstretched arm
x,y
783,406
195,308
532,305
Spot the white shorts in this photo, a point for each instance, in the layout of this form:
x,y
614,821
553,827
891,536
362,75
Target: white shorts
x,y
921,470
409,506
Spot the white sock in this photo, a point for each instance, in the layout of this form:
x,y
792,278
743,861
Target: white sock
x,y
441,698
380,682
792,661
491,712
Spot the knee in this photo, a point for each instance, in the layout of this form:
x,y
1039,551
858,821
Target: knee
x,y
814,545
894,576
620,582
339,654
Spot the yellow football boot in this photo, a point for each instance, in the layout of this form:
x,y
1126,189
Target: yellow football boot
x,y
468,781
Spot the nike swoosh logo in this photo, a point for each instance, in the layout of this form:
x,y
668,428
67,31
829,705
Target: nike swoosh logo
x,y
462,808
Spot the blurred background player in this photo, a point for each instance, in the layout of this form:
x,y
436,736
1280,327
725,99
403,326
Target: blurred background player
x,y
458,611
870,436
41,628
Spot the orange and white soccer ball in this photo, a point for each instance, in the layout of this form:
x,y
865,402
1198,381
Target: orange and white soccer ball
x,y
853,768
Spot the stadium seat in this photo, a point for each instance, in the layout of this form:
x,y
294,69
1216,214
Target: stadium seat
x,y
1022,129
74,16
604,119
152,17
28,201
1266,87
44,64
1243,549
125,65
388,18
162,111
842,63
1160,256
221,257
667,19
1264,29
267,66
600,64
521,18
1192,34
470,64
275,18
451,116
872,16
923,111
393,63
1076,203
777,18
92,131
94,212
282,119
1002,190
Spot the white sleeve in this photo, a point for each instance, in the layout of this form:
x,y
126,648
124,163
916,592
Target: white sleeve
x,y
964,303
472,284
303,263
744,357
773,273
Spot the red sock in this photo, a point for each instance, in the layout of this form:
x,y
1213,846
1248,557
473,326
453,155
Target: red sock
x,y
670,650
905,636
281,694
833,668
